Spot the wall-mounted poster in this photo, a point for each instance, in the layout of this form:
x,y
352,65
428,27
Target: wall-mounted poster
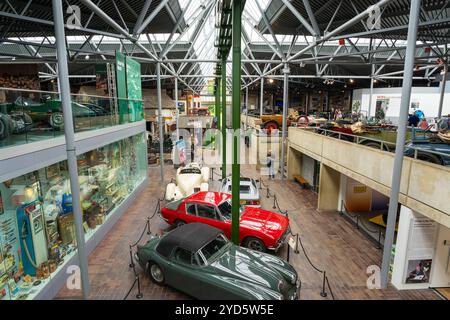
x,y
418,271
420,252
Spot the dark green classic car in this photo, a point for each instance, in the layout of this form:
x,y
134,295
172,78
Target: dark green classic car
x,y
199,260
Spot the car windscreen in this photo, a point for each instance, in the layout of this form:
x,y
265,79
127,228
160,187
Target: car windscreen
x,y
174,205
225,209
190,171
213,247
242,189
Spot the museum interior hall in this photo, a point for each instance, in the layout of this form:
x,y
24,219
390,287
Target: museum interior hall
x,y
180,150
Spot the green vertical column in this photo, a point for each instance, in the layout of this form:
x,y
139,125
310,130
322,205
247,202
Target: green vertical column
x,y
224,116
236,111
218,111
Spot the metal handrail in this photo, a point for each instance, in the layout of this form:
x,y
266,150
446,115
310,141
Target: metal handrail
x,y
382,142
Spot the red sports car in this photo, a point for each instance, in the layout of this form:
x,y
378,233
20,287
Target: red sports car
x,y
259,229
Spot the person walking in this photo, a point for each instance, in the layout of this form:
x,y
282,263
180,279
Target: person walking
x,y
270,165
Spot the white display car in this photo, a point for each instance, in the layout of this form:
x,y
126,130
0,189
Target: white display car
x,y
189,179
249,193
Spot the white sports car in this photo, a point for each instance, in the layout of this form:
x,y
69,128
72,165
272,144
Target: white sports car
x,y
189,179
249,193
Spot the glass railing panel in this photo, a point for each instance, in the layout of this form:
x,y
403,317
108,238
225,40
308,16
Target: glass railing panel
x,y
28,116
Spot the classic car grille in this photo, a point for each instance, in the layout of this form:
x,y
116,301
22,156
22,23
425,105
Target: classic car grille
x,y
284,289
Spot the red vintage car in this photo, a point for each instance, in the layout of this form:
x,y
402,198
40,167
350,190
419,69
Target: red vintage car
x,y
259,229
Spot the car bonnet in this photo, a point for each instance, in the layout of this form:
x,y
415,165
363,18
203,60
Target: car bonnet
x,y
240,263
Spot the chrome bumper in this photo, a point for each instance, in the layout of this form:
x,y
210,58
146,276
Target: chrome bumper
x,y
166,220
283,239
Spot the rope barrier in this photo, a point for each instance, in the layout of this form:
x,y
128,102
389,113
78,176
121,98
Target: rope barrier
x,y
325,281
361,223
132,265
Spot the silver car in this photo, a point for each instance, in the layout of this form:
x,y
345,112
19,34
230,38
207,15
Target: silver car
x,y
249,192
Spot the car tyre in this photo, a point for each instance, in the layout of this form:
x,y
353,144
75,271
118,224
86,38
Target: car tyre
x,y
56,120
5,127
179,223
372,144
255,244
156,273
429,157
270,125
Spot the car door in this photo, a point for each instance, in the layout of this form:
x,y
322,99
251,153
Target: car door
x,y
183,272
208,214
191,213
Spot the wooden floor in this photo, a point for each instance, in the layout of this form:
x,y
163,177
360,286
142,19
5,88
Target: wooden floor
x,y
445,292
332,243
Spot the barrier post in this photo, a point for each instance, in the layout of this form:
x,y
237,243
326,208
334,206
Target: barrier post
x,y
324,293
288,252
131,258
139,294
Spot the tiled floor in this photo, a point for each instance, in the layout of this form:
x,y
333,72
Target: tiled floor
x,y
332,243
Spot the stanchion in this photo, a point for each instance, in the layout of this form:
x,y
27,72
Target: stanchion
x,y
323,293
139,294
131,258
288,252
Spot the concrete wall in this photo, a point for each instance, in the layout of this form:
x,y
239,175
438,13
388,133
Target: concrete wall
x,y
426,97
425,187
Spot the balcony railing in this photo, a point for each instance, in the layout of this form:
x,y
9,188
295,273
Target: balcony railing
x,y
438,153
28,115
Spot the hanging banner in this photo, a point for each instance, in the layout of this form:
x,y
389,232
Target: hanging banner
x,y
134,88
121,87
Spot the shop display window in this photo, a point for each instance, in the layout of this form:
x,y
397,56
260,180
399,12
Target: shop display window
x,y
37,229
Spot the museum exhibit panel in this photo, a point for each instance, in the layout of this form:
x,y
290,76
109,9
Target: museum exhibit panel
x,y
37,225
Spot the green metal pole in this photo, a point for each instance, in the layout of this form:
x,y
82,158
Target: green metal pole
x,y
217,109
236,102
218,104
224,116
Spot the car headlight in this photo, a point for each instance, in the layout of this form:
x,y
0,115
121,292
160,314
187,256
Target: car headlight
x,y
280,285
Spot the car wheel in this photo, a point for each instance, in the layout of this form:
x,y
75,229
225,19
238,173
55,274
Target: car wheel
x,y
156,273
429,157
179,223
2,129
372,144
5,127
56,120
271,125
255,244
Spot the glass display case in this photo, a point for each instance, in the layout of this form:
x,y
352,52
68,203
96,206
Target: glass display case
x,y
37,228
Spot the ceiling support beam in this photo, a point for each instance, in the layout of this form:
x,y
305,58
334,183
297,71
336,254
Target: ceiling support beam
x,y
150,18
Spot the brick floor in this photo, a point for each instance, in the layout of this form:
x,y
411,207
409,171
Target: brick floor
x,y
332,243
